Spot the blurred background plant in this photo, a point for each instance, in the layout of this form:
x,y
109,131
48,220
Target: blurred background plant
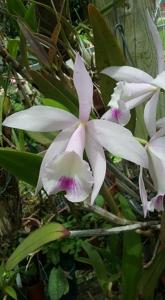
x,y
38,42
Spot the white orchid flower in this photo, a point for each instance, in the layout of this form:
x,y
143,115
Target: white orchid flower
x,y
63,167
135,87
156,150
156,165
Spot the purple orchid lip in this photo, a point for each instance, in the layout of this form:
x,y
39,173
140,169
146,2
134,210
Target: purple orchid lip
x,y
66,183
159,203
116,113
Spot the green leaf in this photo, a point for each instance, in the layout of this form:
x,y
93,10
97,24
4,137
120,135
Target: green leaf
x,y
12,46
55,91
38,238
132,256
2,272
16,7
45,138
19,141
58,284
23,165
151,275
53,103
99,201
97,264
10,291
107,51
30,17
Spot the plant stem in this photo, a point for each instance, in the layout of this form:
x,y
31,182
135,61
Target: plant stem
x,y
108,215
115,230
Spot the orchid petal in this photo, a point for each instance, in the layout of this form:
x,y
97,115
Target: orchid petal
x,y
150,114
161,122
69,173
158,134
159,81
137,101
143,193
77,141
129,74
118,140
157,147
157,42
57,147
84,88
129,91
119,115
156,203
41,118
156,150
97,161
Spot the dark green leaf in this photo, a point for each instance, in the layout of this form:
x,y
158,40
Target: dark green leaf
x,y
30,17
2,272
58,284
16,7
23,165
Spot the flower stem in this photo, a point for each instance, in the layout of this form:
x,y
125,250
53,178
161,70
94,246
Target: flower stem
x,y
115,230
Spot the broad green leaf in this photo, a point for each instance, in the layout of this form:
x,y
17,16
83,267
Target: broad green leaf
x,y
10,291
36,239
151,275
132,256
53,103
97,264
107,51
16,7
55,91
23,165
35,46
58,284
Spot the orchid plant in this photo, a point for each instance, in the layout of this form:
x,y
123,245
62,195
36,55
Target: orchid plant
x,y
75,161
63,167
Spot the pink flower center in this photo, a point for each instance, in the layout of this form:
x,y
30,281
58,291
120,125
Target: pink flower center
x,y
116,113
66,183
